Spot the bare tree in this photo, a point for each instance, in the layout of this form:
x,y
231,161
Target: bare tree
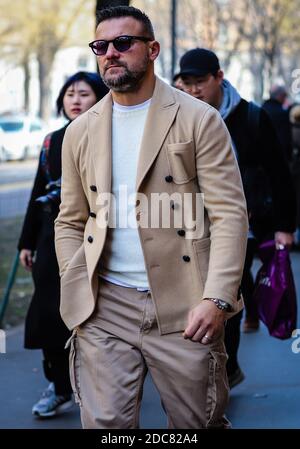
x,y
51,39
263,35
213,24
267,36
39,28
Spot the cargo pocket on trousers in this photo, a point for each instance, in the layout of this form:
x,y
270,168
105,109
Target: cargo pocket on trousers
x,y
217,390
74,365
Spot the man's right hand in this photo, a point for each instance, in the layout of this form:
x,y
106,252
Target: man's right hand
x,y
205,323
26,259
284,238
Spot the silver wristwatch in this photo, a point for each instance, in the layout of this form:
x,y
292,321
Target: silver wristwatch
x,y
222,305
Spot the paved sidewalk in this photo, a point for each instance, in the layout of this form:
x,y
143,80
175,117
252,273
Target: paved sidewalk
x,y
16,180
268,398
22,381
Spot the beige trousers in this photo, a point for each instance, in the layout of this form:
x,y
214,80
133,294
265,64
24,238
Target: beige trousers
x,y
112,352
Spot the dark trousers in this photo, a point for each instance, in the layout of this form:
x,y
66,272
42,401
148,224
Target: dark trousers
x,y
56,369
232,329
247,283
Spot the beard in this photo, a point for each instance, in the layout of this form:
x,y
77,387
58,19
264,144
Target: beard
x,y
127,81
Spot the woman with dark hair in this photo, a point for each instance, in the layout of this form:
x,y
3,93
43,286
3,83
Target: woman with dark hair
x,y
44,328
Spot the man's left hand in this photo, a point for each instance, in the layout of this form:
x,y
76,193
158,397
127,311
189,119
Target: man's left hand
x,y
205,323
284,238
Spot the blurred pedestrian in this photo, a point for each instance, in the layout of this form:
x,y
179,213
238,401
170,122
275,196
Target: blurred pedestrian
x,y
279,115
148,297
295,161
44,328
261,159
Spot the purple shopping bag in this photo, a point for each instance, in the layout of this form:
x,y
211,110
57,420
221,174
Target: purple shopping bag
x,y
275,293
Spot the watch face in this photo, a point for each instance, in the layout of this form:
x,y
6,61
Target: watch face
x,y
223,304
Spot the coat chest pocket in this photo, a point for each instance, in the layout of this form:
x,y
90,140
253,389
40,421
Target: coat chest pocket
x,y
181,157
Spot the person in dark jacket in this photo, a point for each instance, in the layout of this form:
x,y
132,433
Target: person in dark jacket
x,y
280,117
44,328
294,115
260,157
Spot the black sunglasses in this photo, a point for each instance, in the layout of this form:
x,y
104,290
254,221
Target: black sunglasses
x,y
121,44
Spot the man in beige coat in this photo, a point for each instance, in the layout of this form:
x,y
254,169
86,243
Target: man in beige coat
x,y
153,296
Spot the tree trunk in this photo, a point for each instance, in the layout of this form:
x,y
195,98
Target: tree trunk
x,y
45,61
26,68
259,82
256,66
270,57
258,71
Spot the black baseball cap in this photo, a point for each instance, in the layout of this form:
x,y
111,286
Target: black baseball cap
x,y
198,62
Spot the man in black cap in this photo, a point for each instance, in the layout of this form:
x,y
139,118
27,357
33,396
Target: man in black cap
x,y
203,80
266,177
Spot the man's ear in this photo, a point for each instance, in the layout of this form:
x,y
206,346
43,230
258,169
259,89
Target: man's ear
x,y
220,75
154,50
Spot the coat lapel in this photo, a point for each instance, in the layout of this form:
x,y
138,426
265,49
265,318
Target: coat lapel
x,y
160,117
100,124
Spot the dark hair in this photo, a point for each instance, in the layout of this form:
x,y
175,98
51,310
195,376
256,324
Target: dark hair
x,y
126,11
92,79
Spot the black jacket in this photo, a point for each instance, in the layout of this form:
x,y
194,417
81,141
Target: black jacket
x,y
44,327
281,123
264,150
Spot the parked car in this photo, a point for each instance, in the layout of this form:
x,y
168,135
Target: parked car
x,y
20,137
